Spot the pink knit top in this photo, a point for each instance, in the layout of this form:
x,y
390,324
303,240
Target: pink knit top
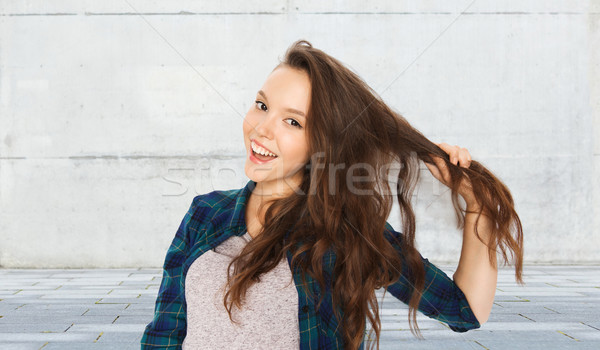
x,y
268,318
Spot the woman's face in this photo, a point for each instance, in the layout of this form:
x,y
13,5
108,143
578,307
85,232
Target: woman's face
x,y
275,125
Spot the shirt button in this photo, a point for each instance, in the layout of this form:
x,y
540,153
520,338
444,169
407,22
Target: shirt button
x,y
305,308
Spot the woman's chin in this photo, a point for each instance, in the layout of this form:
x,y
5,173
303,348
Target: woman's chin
x,y
254,174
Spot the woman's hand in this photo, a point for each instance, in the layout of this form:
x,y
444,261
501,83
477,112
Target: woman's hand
x,y
440,171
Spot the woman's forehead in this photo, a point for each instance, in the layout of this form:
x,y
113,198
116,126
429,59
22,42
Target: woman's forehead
x,y
287,88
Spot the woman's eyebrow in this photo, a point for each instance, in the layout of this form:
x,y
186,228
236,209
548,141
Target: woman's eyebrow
x,y
291,110
260,92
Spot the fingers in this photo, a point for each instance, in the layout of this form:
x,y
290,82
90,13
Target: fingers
x,y
464,158
458,155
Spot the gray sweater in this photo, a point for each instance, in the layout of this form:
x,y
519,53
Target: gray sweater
x,y
267,320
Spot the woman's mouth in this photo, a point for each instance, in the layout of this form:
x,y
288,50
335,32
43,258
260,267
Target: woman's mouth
x,y
260,155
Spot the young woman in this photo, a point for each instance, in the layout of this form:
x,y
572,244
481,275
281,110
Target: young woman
x,y
293,259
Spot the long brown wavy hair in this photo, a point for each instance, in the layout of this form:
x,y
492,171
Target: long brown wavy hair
x,y
348,124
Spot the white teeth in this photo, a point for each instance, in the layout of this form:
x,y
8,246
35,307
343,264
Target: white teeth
x,y
256,148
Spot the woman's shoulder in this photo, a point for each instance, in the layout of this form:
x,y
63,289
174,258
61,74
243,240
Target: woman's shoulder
x,y
208,205
217,198
207,210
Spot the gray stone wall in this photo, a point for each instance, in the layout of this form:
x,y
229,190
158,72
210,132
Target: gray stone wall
x,y
115,114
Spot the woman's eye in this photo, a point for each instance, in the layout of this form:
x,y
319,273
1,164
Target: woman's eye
x,y
294,123
260,105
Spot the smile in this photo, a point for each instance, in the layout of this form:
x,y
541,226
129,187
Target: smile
x,y
261,150
260,155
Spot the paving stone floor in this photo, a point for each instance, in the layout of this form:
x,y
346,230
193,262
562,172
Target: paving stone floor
x,y
558,308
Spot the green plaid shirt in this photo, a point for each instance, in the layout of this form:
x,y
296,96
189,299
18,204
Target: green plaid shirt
x,y
216,216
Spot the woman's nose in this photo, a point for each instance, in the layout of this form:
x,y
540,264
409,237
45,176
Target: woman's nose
x,y
266,125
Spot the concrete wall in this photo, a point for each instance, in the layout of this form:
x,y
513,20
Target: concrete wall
x,y
115,114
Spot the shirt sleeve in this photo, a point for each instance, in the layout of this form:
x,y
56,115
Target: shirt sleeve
x,y
168,327
442,299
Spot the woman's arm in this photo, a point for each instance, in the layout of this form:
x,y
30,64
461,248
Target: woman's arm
x,y
475,276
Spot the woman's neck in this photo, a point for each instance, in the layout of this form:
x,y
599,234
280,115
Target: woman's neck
x,y
262,194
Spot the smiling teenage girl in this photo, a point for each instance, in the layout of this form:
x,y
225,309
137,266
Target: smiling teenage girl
x,y
293,259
